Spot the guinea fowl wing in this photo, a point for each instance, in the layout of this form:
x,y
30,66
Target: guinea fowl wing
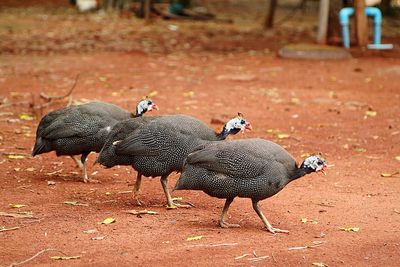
x,y
153,139
243,159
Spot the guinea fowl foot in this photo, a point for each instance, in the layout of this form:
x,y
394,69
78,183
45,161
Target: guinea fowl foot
x,y
276,230
228,225
175,205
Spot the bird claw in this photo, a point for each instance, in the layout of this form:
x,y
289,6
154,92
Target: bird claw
x,y
276,230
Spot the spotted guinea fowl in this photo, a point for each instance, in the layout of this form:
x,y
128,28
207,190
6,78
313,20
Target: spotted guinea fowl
x,y
157,146
81,129
251,168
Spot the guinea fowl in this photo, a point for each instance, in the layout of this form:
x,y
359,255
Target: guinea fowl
x,y
157,146
81,129
251,168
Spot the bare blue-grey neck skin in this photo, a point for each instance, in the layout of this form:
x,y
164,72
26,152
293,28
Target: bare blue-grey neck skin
x,y
233,126
313,163
144,106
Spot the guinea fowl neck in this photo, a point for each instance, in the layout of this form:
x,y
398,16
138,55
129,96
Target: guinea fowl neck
x,y
224,133
300,172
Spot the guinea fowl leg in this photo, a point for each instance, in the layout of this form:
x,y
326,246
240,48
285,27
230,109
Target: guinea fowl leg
x,y
269,227
137,188
78,162
170,202
222,222
86,179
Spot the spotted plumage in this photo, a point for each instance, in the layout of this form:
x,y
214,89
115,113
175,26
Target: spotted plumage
x,y
81,129
157,146
251,168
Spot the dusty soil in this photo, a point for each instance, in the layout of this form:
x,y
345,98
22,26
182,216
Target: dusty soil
x,y
348,110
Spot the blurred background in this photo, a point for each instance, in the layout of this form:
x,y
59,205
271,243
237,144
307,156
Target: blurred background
x,y
262,26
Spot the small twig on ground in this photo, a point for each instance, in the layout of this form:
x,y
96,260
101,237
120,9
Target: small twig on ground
x,y
34,256
273,257
215,245
16,215
258,258
317,244
50,98
9,229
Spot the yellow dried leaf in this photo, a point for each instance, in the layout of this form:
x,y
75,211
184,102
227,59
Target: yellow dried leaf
x,y
319,264
102,79
116,93
65,257
27,117
188,94
17,206
192,238
108,193
360,150
370,113
269,131
304,220
107,221
30,169
305,155
350,229
332,94
283,136
389,174
295,101
16,156
75,203
152,94
397,158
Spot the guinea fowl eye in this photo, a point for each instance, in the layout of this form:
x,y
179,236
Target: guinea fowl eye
x,y
149,103
242,122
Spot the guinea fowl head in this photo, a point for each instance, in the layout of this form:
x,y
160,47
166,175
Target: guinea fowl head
x,y
314,163
144,106
235,125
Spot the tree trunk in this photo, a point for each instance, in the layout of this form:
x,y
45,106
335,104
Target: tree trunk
x,y
361,23
323,21
269,19
334,27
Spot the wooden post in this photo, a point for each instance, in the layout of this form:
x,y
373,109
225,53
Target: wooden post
x,y
361,23
323,21
269,19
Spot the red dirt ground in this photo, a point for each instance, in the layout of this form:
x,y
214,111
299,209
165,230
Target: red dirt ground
x,y
320,105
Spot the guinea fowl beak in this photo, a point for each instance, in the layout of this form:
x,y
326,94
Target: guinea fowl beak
x,y
154,106
248,126
323,170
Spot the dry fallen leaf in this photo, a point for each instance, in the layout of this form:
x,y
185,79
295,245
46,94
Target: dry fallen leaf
x,y
283,136
27,117
295,101
370,113
305,220
188,94
98,238
17,206
139,212
107,221
75,203
350,229
90,231
51,183
15,156
397,158
192,238
319,264
389,174
64,257
360,150
152,94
